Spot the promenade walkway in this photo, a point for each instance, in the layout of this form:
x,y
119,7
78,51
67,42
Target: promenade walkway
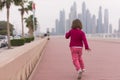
x,y
102,63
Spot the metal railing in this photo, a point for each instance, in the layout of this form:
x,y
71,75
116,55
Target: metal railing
x,y
105,35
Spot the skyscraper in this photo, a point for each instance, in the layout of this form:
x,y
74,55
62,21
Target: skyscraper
x,y
72,16
106,21
93,24
110,28
88,22
57,26
80,16
53,31
67,25
84,16
119,26
73,12
62,22
99,21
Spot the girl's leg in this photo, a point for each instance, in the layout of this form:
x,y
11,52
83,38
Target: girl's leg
x,y
75,58
80,59
81,63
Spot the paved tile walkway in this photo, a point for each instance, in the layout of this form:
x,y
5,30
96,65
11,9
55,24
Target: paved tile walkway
x,y
102,63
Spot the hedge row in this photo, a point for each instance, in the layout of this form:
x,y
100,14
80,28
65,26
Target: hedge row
x,y
27,40
19,42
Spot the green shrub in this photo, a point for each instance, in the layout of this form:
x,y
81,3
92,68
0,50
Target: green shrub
x,y
17,42
32,38
27,40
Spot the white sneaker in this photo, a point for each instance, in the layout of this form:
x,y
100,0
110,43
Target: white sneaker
x,y
79,71
83,70
80,74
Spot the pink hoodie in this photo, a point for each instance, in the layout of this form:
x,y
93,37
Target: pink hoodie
x,y
77,38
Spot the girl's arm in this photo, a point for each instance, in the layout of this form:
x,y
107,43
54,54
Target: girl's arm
x,y
67,35
85,41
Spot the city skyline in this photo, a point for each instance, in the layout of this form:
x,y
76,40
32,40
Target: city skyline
x,y
48,10
91,23
57,6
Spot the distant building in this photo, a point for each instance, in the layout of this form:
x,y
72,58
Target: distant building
x,y
60,24
110,28
53,31
106,21
84,16
119,26
73,13
80,16
91,24
57,26
88,22
99,21
94,24
67,25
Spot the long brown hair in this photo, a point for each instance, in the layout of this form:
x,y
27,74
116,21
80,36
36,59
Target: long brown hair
x,y
76,24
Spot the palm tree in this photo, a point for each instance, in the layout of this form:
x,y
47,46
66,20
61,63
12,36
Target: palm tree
x,y
7,3
23,9
29,24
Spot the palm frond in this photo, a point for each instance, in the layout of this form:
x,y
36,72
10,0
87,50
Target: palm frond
x,y
26,10
29,22
2,4
29,6
17,2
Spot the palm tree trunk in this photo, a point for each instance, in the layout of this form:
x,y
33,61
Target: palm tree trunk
x,y
22,26
8,29
31,32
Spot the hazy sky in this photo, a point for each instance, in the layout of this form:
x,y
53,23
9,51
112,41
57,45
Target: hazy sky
x,y
48,10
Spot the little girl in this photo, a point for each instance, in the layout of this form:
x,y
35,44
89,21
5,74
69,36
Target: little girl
x,y
77,39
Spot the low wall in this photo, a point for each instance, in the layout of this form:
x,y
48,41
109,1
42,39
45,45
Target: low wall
x,y
18,63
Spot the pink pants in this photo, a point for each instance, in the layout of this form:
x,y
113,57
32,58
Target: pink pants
x,y
77,58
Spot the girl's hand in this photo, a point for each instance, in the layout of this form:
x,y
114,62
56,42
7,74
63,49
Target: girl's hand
x,y
88,50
